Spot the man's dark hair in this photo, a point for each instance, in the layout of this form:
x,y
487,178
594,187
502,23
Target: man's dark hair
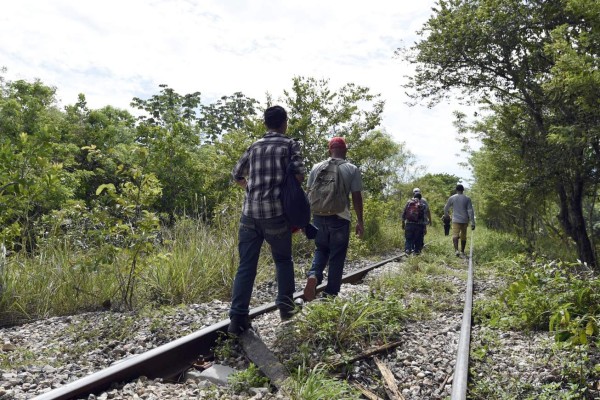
x,y
418,195
275,117
460,188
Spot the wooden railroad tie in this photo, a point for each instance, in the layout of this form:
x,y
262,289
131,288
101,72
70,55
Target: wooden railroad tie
x,y
258,352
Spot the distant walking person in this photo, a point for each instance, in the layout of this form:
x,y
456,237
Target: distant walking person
x,y
462,213
329,184
428,220
261,171
415,217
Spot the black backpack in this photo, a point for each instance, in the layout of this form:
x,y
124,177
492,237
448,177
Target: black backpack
x,y
293,198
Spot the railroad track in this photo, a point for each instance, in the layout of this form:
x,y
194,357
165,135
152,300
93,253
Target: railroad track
x,y
171,360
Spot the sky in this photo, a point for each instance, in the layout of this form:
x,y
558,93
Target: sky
x,y
113,51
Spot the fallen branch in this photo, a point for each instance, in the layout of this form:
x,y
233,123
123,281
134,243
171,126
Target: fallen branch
x,y
367,354
391,386
366,392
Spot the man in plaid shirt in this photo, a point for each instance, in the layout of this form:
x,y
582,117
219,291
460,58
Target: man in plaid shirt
x,y
260,172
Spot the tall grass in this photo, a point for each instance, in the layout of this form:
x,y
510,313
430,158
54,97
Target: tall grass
x,y
194,262
59,279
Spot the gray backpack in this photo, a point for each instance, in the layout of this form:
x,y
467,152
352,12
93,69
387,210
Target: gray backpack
x,y
328,194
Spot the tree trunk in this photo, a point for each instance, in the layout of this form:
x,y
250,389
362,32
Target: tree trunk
x,y
571,218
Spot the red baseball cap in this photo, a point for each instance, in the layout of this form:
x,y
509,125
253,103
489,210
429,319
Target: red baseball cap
x,y
337,142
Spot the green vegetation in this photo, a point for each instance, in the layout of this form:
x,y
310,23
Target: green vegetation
x,y
536,294
532,68
104,210
251,377
344,326
315,384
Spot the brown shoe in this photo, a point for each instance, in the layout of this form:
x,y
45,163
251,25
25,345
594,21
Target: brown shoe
x,y
310,290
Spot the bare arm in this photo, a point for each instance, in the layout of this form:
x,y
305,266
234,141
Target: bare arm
x,y
357,202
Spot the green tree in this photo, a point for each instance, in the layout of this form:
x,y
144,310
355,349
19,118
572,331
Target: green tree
x,y
33,180
227,114
504,53
383,162
318,113
184,141
94,140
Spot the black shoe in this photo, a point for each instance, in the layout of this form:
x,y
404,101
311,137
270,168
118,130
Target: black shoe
x,y
286,314
238,324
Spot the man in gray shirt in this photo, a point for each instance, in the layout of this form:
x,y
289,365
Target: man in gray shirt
x,y
462,213
333,236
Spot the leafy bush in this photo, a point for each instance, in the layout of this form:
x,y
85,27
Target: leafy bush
x,y
555,296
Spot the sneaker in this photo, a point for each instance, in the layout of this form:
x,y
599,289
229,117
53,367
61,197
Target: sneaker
x,y
310,290
462,254
238,324
457,253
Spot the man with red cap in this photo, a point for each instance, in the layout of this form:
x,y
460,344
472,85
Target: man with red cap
x,y
333,221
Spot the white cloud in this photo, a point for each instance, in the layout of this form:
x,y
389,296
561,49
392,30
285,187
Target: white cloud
x,y
113,51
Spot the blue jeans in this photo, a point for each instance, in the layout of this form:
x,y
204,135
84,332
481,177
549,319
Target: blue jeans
x,y
331,247
414,235
252,233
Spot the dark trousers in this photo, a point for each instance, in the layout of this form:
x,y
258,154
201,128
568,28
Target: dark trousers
x,y
253,232
331,243
413,234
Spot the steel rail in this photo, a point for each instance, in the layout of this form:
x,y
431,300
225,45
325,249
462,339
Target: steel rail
x,y
461,369
172,359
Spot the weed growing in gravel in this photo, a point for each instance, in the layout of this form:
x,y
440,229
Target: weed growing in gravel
x,y
19,357
88,336
553,296
334,328
316,384
423,284
224,347
251,377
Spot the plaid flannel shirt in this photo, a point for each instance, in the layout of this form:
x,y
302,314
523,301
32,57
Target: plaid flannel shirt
x,y
264,166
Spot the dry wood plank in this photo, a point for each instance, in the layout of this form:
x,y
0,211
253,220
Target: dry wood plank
x,y
443,385
366,392
391,386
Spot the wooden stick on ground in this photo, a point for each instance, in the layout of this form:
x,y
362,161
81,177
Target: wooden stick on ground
x,y
368,354
391,387
366,392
